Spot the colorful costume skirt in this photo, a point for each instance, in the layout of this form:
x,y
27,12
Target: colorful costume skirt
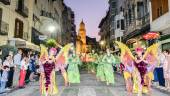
x,y
52,88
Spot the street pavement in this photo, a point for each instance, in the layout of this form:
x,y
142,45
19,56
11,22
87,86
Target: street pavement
x,y
89,86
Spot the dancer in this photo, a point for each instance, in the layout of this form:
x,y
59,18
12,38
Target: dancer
x,y
61,61
108,61
92,65
143,66
100,70
47,76
73,70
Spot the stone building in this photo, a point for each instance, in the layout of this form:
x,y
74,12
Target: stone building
x,y
105,29
137,20
160,21
24,21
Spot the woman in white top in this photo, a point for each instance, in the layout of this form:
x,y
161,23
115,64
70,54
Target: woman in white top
x,y
24,67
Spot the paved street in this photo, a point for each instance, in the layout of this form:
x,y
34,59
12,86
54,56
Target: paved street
x,y
88,87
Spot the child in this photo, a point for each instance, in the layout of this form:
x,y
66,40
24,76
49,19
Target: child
x,y
4,79
24,67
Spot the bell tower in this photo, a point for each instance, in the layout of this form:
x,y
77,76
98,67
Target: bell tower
x,y
82,37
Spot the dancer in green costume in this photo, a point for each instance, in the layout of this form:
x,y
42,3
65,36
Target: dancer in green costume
x,y
108,61
73,70
92,65
100,70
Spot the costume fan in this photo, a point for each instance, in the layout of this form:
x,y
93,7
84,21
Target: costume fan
x,y
140,68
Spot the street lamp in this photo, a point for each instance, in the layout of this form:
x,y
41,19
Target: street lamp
x,y
51,28
102,44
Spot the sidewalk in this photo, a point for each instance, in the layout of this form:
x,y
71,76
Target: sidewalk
x,y
17,89
160,88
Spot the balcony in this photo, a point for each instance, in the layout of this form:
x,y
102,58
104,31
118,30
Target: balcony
x,y
4,28
46,14
143,21
22,10
6,2
139,26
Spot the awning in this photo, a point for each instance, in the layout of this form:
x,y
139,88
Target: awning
x,y
20,43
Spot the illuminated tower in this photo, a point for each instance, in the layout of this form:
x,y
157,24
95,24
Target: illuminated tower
x,y
82,38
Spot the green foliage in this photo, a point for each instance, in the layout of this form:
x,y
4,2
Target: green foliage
x,y
51,43
6,49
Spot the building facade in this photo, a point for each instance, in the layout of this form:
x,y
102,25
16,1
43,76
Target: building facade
x,y
160,21
24,21
137,20
105,30
129,20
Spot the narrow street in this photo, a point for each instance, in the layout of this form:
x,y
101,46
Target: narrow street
x,y
88,87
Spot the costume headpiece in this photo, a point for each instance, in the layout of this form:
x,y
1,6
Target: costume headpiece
x,y
138,47
53,50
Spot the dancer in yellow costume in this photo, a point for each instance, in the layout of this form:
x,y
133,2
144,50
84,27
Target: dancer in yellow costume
x,y
139,68
48,86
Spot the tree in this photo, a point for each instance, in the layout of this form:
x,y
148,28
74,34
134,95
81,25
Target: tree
x,y
51,43
6,49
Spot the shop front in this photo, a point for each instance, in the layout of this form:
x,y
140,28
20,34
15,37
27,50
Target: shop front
x,y
165,42
20,43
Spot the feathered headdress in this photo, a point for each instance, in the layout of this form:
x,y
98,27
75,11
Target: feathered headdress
x,y
53,50
138,47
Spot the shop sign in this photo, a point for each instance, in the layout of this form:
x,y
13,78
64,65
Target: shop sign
x,y
20,44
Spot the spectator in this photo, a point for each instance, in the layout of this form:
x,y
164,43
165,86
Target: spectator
x,y
23,69
158,72
11,71
166,67
17,63
32,67
4,79
9,62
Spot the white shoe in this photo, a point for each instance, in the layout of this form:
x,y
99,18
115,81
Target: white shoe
x,y
7,89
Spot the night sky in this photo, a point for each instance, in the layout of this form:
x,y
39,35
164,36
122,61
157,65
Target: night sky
x,y
91,11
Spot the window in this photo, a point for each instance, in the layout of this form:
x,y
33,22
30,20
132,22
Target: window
x,y
130,16
18,29
35,1
159,8
140,9
122,24
118,24
119,38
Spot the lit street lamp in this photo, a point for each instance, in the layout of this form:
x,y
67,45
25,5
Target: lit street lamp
x,y
51,28
102,44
